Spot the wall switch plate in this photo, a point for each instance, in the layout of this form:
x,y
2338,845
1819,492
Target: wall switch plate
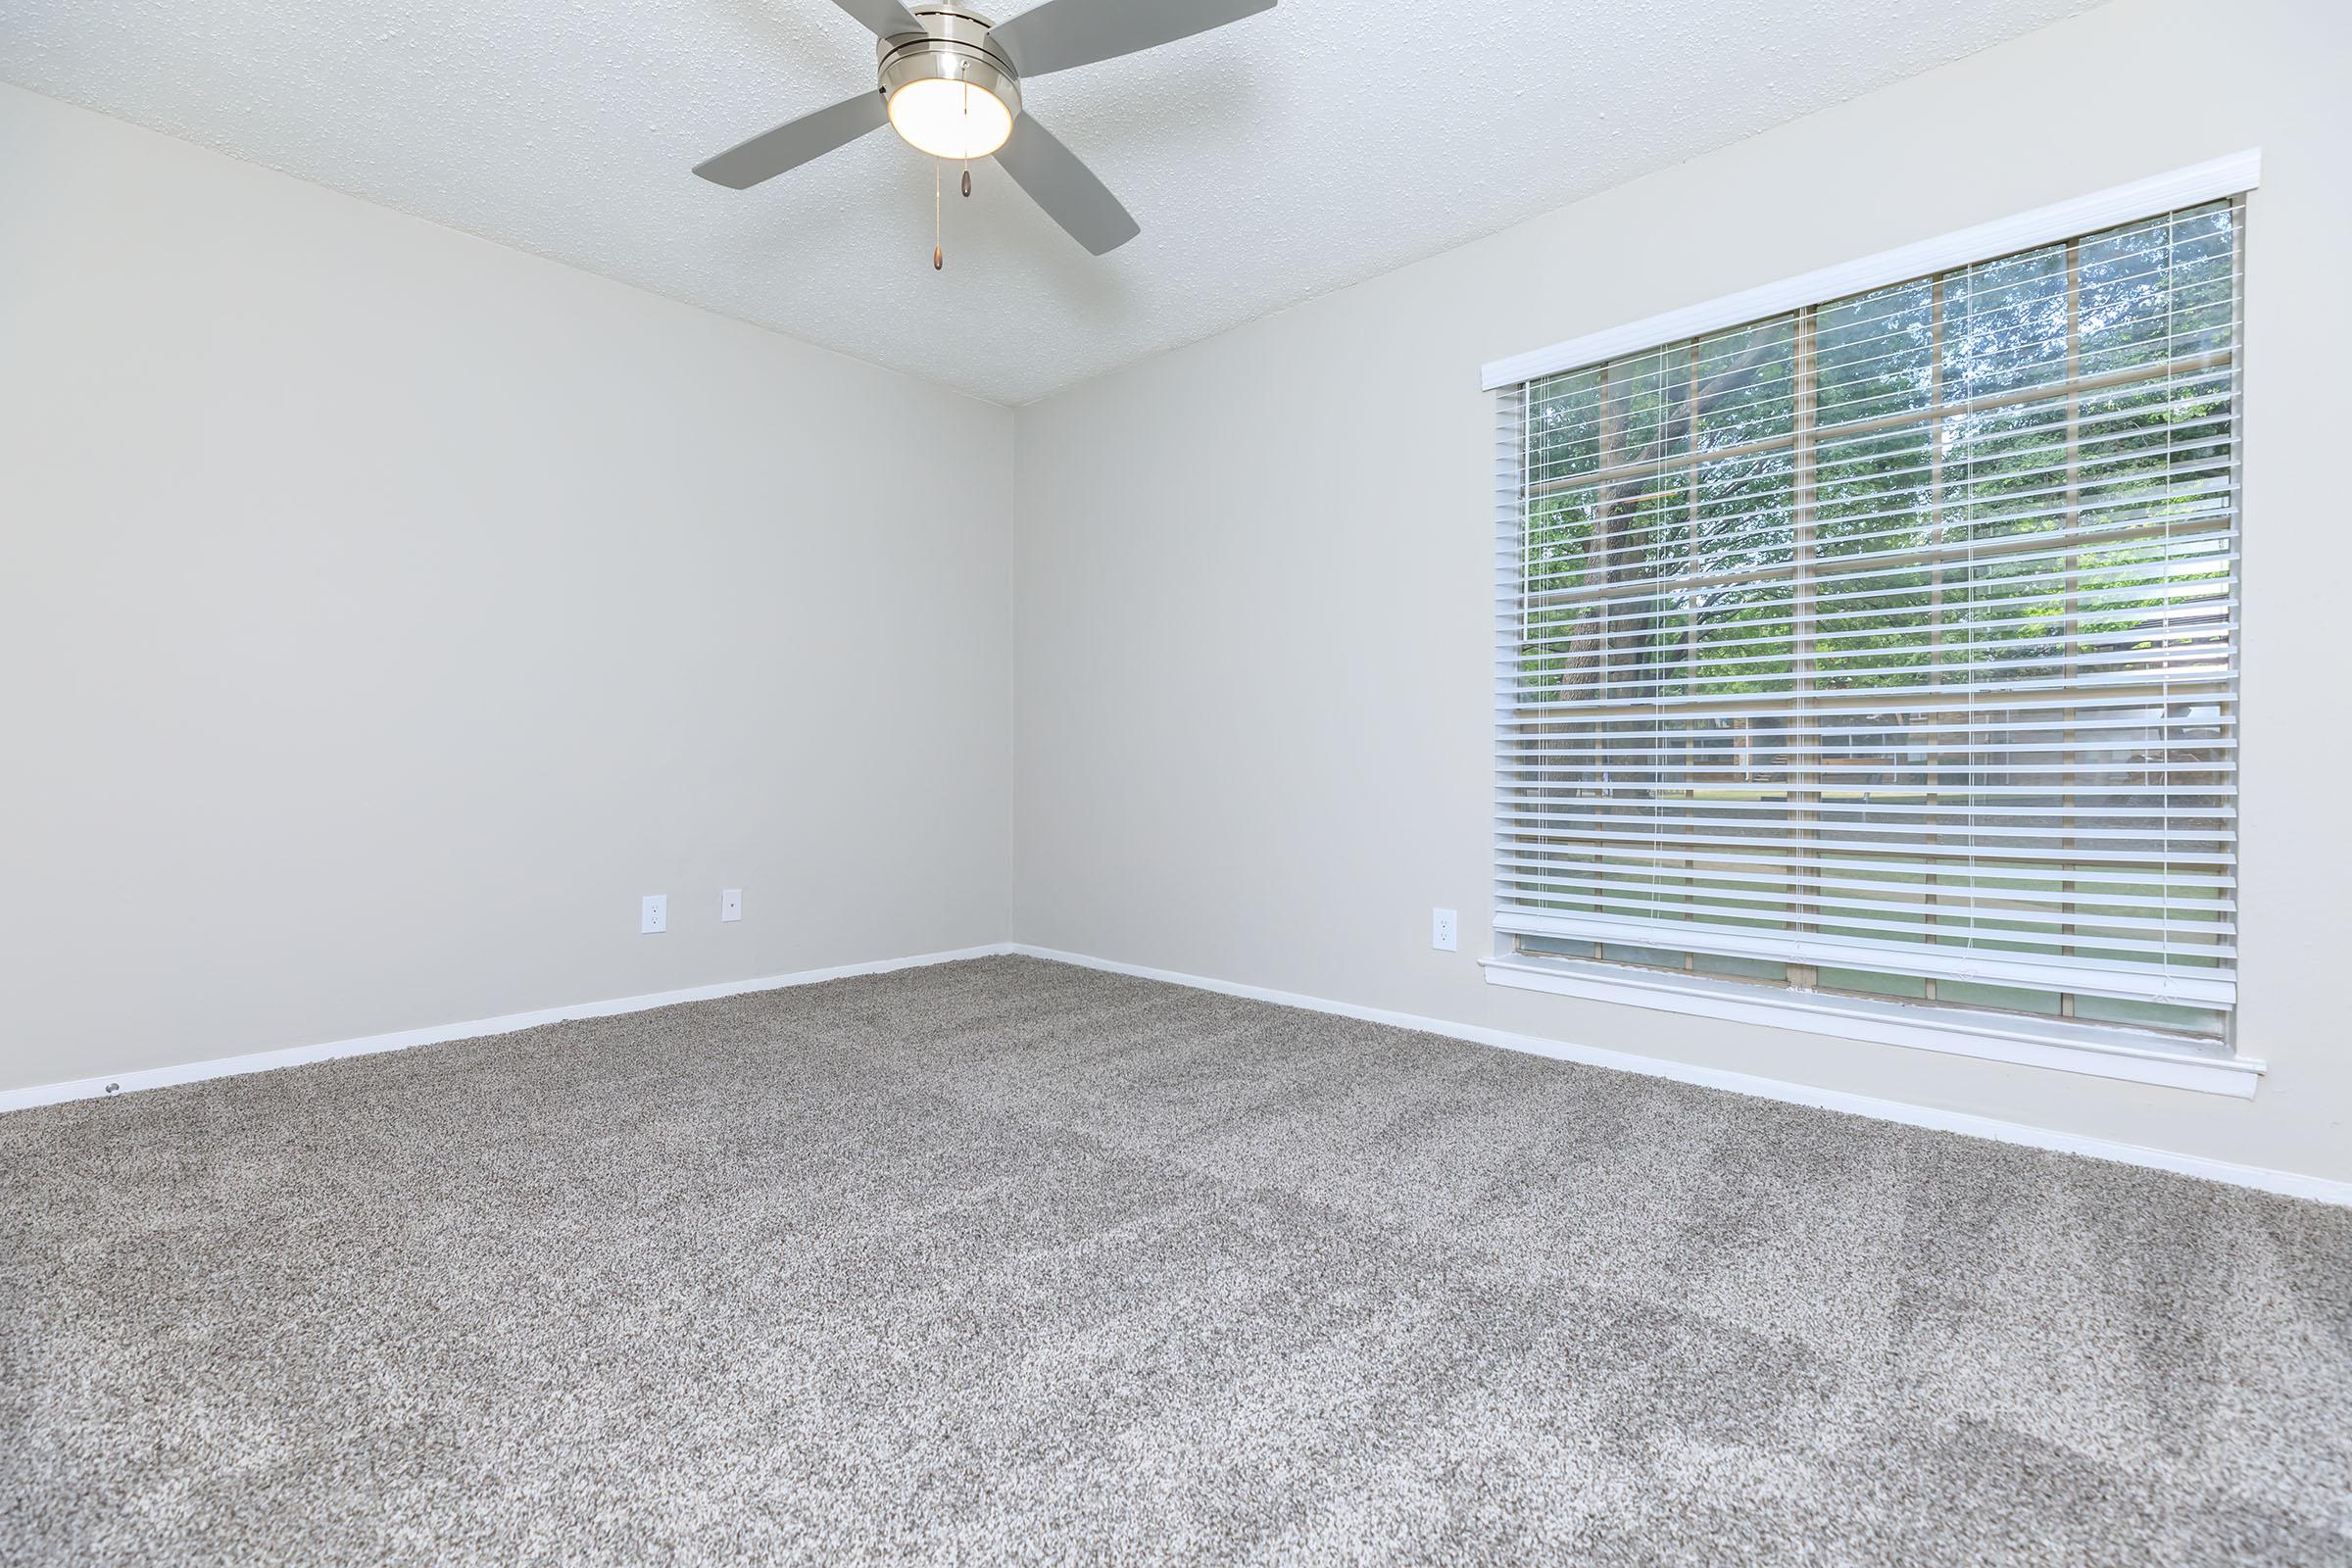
x,y
730,904
656,916
1440,930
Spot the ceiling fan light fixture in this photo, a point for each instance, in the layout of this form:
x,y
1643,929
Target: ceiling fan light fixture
x,y
950,86
948,93
950,119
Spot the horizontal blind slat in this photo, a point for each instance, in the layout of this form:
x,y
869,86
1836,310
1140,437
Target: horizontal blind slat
x,y
2090,975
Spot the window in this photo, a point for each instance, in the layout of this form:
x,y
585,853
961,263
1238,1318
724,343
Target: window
x,y
1887,646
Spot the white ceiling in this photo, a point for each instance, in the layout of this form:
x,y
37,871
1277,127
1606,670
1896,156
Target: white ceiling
x,y
1285,156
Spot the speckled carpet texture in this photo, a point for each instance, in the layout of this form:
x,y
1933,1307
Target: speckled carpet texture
x,y
1009,1261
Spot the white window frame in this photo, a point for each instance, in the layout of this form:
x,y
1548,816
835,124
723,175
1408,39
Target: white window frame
x,y
2100,1049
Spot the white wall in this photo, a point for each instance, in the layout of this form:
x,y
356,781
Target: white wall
x,y
383,612
1254,602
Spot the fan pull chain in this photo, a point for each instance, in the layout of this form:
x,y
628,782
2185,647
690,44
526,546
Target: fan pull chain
x,y
968,137
939,254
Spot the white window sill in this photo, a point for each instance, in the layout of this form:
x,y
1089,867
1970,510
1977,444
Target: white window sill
x,y
2103,1051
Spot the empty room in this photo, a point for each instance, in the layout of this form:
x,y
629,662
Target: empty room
x,y
1174,781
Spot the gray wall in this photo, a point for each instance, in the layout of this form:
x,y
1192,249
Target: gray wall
x,y
383,612
1254,602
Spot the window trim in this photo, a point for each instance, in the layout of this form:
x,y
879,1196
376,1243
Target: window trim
x,y
2230,176
2105,1051
2100,1050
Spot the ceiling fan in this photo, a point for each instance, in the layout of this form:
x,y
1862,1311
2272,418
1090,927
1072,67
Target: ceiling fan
x,y
950,86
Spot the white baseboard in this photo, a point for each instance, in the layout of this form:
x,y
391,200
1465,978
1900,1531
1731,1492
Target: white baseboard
x,y
2317,1189
123,1083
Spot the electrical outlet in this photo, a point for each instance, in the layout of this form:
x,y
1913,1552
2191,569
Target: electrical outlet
x,y
730,904
655,918
1440,930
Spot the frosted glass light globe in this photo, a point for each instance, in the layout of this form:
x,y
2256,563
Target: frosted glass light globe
x,y
951,120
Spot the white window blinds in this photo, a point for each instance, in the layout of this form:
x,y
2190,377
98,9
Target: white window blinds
x,y
1897,632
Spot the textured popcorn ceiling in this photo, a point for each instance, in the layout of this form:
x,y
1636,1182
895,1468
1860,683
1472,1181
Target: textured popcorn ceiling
x,y
1283,157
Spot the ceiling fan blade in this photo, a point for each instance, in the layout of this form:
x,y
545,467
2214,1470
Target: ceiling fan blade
x,y
1061,33
884,19
1065,188
788,146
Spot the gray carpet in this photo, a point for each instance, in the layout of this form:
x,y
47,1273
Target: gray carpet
x,y
1012,1262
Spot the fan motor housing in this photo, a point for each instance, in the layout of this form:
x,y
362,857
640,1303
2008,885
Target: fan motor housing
x,y
952,47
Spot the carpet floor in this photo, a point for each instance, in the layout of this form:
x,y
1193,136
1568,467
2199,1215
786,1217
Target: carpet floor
x,y
1009,1261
